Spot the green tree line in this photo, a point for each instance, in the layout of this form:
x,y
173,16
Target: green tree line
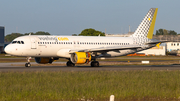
x,y
166,32
90,32
85,32
12,36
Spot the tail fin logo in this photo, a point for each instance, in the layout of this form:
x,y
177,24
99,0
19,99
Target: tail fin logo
x,y
145,30
146,27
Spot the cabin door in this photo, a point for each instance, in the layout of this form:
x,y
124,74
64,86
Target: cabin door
x,y
33,43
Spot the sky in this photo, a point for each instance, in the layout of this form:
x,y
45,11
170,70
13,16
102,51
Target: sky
x,y
67,17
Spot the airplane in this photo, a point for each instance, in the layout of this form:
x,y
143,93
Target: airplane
x,y
84,49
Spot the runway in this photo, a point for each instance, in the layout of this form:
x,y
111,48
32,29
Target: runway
x,y
6,67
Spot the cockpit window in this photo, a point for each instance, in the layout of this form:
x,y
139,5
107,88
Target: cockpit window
x,y
22,42
17,42
14,42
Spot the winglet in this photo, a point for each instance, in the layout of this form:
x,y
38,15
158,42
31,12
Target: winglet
x,y
158,44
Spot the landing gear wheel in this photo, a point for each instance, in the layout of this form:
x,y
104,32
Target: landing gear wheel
x,y
28,62
27,65
94,64
70,64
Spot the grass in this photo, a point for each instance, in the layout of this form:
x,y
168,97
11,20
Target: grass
x,y
92,85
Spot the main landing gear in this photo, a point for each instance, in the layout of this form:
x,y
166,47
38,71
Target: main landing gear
x,y
28,63
70,64
94,64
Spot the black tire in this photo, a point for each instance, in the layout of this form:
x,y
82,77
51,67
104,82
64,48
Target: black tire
x,y
70,64
94,64
27,65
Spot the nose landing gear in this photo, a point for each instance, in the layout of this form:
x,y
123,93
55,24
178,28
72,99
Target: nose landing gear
x,y
28,63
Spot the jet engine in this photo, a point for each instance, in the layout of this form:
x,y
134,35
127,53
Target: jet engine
x,y
44,60
80,57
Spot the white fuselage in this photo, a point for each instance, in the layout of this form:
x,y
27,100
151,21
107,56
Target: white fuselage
x,y
60,46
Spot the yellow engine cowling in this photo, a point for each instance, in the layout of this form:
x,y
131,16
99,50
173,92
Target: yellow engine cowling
x,y
43,60
80,57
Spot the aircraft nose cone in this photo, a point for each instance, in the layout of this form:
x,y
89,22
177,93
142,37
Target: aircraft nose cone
x,y
7,50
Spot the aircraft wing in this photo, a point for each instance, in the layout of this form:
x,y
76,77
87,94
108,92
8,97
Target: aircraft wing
x,y
106,49
156,42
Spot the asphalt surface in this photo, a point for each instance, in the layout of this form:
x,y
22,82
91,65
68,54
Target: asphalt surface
x,y
5,67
